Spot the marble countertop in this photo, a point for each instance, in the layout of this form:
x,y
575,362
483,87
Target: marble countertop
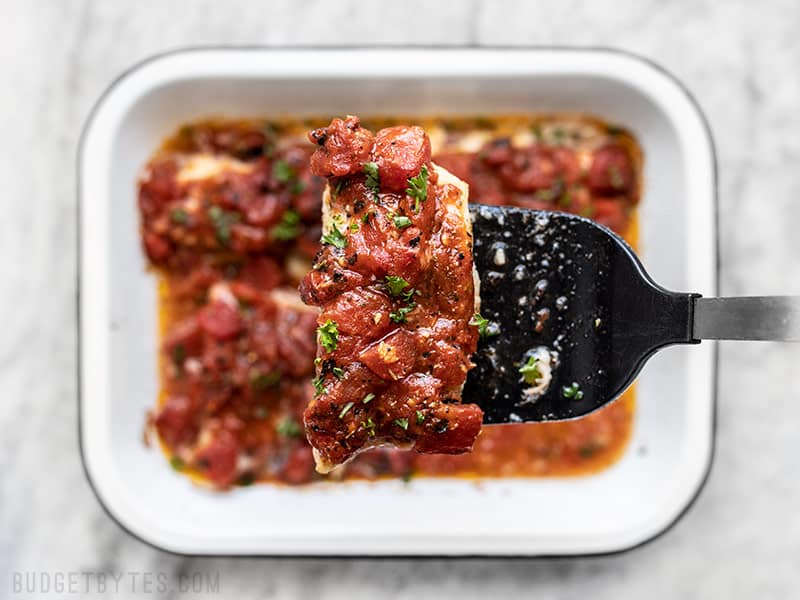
x,y
740,59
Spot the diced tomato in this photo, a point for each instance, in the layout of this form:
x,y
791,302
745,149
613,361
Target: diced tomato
x,y
362,313
175,422
392,357
611,172
299,467
531,169
262,272
463,423
157,248
186,335
263,210
400,153
159,188
220,320
218,458
344,147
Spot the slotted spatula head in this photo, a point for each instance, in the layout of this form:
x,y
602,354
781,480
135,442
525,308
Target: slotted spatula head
x,y
572,294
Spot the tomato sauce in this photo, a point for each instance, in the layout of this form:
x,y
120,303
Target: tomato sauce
x,y
230,220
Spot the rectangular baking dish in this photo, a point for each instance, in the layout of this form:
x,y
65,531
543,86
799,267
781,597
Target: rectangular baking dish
x,y
626,505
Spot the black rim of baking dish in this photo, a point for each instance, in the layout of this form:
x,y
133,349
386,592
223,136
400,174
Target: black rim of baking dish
x,y
333,48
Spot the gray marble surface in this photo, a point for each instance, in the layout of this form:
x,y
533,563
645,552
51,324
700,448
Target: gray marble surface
x,y
740,59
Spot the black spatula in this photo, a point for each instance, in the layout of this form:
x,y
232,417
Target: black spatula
x,y
575,316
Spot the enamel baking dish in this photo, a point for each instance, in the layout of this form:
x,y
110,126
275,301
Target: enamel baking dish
x,y
633,501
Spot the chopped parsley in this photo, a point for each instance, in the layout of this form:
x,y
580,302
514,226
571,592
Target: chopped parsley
x,y
401,222
319,386
289,428
373,181
297,187
328,335
222,220
246,479
338,372
418,188
335,238
179,354
337,188
573,391
396,285
354,226
345,410
177,463
402,423
420,417
485,327
369,426
282,171
368,398
179,216
399,315
408,295
530,371
365,217
287,229
263,381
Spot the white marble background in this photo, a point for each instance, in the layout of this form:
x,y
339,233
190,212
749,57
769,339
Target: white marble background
x,y
742,61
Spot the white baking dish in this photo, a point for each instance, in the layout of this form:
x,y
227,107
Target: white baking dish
x,y
633,501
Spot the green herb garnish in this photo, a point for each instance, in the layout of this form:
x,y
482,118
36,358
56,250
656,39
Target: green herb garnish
x,y
338,372
369,426
222,220
335,238
179,216
282,171
530,371
401,222
176,462
396,285
402,423
368,398
337,188
328,335
179,354
264,381
297,187
246,479
485,327
420,417
418,188
399,315
373,181
289,428
345,410
573,391
319,387
287,229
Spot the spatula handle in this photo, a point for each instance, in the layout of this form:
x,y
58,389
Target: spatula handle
x,y
748,318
